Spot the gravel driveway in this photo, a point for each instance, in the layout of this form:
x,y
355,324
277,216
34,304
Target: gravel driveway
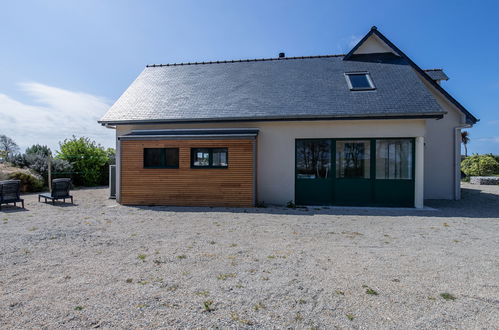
x,y
99,264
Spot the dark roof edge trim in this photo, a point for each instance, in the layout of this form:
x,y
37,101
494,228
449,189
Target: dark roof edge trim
x,y
469,117
439,115
187,137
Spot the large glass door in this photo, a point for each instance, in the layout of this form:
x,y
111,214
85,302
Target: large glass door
x,y
314,179
353,178
378,172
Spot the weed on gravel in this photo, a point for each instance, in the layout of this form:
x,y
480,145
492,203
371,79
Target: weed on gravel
x,y
208,306
447,296
223,277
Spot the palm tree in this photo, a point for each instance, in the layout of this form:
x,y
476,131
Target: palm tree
x,y
465,139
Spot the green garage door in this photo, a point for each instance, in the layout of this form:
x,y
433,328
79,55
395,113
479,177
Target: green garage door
x,y
363,172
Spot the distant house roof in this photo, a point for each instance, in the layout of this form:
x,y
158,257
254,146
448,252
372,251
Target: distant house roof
x,y
436,74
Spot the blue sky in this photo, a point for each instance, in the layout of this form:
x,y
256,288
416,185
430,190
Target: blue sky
x,y
63,63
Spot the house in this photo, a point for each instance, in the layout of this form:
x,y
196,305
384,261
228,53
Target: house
x,y
366,128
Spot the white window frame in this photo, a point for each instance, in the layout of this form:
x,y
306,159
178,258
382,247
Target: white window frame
x,y
365,73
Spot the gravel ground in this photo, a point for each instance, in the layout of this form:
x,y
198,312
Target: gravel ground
x,y
99,264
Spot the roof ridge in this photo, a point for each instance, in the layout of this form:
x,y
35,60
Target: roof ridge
x,y
426,70
246,60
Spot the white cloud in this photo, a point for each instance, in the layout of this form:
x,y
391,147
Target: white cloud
x,y
493,139
54,115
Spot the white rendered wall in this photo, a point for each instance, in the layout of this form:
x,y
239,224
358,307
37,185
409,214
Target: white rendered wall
x,y
276,146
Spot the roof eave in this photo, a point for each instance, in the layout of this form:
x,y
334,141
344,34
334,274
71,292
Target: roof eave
x,y
433,115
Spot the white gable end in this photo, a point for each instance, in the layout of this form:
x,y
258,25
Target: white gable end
x,y
372,45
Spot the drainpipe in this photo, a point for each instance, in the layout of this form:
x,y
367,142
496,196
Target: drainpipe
x,y
457,160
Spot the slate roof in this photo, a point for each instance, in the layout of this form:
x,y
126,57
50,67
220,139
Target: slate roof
x,y
274,89
436,74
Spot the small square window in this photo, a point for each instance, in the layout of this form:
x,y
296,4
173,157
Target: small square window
x,y
201,157
359,81
209,158
160,157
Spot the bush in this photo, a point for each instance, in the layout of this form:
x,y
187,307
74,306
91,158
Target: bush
x,y
87,159
29,182
38,162
480,165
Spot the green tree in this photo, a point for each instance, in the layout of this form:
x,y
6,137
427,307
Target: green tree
x,y
86,157
465,139
38,149
480,165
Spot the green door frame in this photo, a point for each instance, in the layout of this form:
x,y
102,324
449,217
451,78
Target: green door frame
x,y
382,192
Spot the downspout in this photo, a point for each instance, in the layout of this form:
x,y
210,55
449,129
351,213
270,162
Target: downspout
x,y
457,160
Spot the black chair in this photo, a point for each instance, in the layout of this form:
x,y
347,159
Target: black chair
x,y
60,190
10,192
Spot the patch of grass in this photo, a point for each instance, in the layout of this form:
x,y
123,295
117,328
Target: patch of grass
x,y
447,296
233,245
396,280
341,293
446,224
432,298
259,306
32,228
142,257
298,317
140,306
143,282
183,256
78,308
265,278
350,316
223,277
202,293
271,257
129,280
291,205
208,306
302,301
364,286
239,286
212,242
456,241
371,292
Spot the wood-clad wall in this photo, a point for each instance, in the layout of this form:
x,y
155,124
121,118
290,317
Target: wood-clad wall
x,y
232,186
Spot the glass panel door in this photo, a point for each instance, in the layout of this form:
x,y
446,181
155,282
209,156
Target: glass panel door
x,y
394,184
353,184
313,172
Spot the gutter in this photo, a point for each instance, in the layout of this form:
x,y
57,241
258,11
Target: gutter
x,y
434,115
457,160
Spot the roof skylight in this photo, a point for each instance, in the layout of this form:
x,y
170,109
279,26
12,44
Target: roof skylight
x,y
359,81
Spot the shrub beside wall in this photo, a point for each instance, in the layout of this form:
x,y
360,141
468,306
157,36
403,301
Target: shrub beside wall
x,y
480,165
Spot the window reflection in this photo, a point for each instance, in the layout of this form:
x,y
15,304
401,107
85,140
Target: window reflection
x,y
353,159
313,159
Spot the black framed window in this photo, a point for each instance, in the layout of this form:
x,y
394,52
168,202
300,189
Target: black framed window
x,y
209,158
160,157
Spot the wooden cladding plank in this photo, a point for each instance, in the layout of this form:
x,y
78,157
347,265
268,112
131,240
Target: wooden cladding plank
x,y
232,186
